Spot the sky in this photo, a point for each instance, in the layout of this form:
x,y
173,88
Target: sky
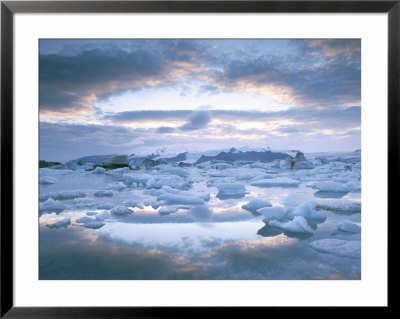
x,y
100,97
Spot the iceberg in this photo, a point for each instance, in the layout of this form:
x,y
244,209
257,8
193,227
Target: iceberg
x,y
47,180
348,227
99,170
51,205
297,225
255,204
180,199
231,189
334,187
62,195
345,248
270,213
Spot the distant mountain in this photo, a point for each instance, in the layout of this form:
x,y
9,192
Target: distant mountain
x,y
95,159
236,155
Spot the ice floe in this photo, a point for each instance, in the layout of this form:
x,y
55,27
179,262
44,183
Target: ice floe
x,y
340,247
62,195
255,204
99,170
270,213
334,187
171,199
50,205
348,227
47,180
297,225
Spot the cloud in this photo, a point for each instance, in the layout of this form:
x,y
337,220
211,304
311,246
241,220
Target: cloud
x,y
197,120
165,129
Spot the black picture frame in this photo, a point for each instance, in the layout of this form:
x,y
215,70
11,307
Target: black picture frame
x,y
9,8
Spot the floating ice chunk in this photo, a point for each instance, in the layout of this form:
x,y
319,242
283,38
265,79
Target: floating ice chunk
x,y
103,194
200,214
334,187
47,180
62,195
175,171
105,206
348,227
255,204
51,205
276,164
61,223
99,170
168,210
231,189
345,248
290,201
168,189
121,210
277,182
305,210
270,213
139,179
340,207
353,185
51,171
172,181
84,220
95,224
117,186
297,225
180,199
118,171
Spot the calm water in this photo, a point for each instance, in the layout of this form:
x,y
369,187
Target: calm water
x,y
221,242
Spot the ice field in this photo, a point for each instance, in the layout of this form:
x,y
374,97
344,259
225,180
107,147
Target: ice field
x,y
203,219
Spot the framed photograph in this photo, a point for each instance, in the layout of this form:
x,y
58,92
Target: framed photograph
x,y
158,156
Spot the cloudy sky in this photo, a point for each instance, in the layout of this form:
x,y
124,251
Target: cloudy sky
x,y
130,96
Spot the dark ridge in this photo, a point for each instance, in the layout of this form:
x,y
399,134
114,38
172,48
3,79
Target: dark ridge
x,y
266,156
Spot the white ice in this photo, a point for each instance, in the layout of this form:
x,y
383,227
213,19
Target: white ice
x,y
270,213
256,203
172,199
99,170
62,195
348,227
331,187
297,225
47,180
345,248
231,189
